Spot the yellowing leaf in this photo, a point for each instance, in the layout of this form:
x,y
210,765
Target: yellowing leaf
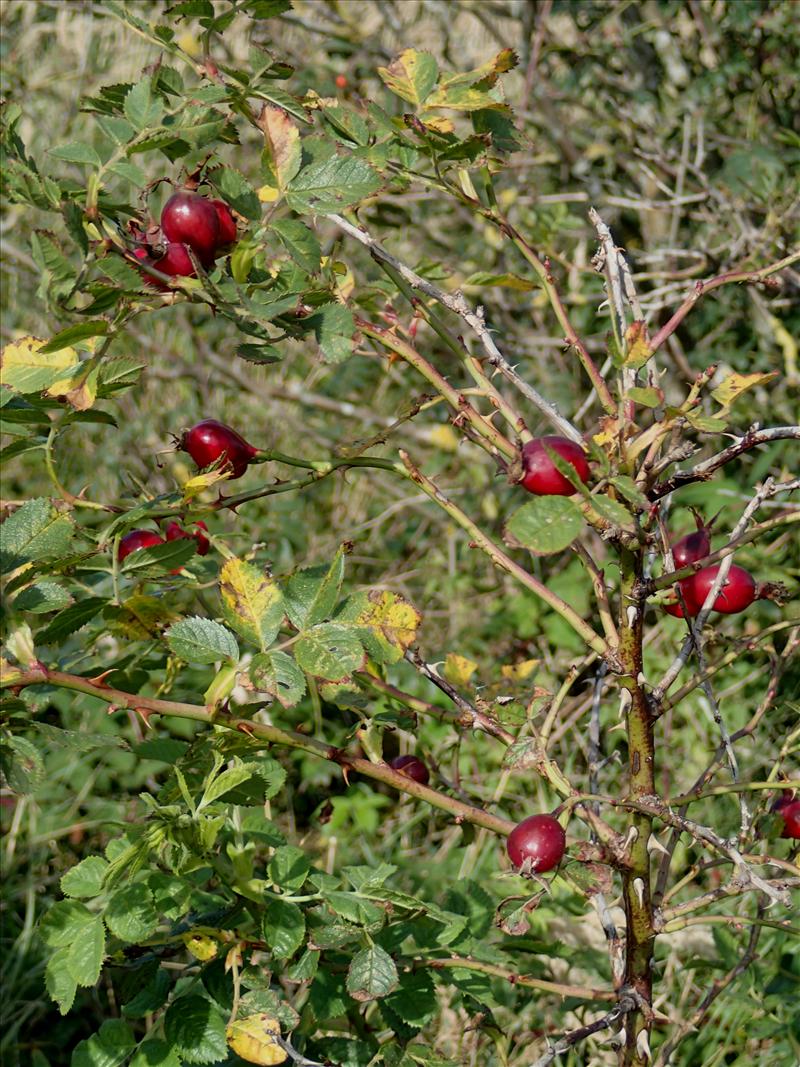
x,y
518,672
139,618
200,482
735,384
458,669
251,601
281,145
24,370
253,1038
267,194
392,619
201,946
439,124
80,388
411,75
637,345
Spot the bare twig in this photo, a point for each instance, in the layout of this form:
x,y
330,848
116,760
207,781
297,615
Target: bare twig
x,y
627,1003
457,303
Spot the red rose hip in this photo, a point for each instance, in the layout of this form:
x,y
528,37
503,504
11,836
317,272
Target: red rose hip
x,y
789,811
227,225
540,840
540,474
210,441
738,591
693,546
175,532
192,219
135,540
412,767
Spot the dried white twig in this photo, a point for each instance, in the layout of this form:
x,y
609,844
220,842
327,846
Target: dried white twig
x,y
627,1003
457,303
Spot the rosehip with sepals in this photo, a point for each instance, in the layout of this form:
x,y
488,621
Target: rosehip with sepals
x,y
210,441
693,546
412,767
540,474
738,591
135,540
538,842
175,532
191,219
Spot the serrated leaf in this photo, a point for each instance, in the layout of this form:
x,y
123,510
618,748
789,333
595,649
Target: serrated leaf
x,y
76,152
611,510
284,928
282,152
85,955
142,107
131,913
252,602
26,369
36,531
155,1053
110,1046
312,593
199,640
732,387
193,1026
411,75
646,397
253,1038
85,879
60,984
334,327
329,651
230,778
387,623
300,242
372,974
22,764
259,353
637,345
289,868
331,185
458,669
80,332
277,673
415,1000
545,525
629,489
69,620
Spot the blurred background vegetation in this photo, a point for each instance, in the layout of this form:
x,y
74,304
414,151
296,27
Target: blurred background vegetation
x,y
680,121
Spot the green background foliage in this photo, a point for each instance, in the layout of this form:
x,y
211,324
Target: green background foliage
x,y
678,121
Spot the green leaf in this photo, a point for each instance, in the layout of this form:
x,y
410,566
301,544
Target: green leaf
x,y
411,75
131,913
545,525
331,185
80,332
110,1046
43,597
71,619
284,928
252,602
277,673
312,593
372,974
329,651
629,489
60,984
36,531
85,880
85,956
76,152
647,397
611,510
155,1053
300,242
150,997
237,191
415,1000
195,1029
230,778
199,640
142,108
22,764
289,868
259,353
334,327
64,923
164,749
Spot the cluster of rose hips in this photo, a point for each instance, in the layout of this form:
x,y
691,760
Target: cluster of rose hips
x,y
189,221
738,591
208,442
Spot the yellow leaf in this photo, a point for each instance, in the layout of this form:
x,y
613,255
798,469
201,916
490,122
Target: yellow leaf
x,y
458,669
391,618
518,672
251,600
201,946
735,384
439,124
22,367
200,482
268,194
411,75
281,144
253,1038
190,45
637,345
